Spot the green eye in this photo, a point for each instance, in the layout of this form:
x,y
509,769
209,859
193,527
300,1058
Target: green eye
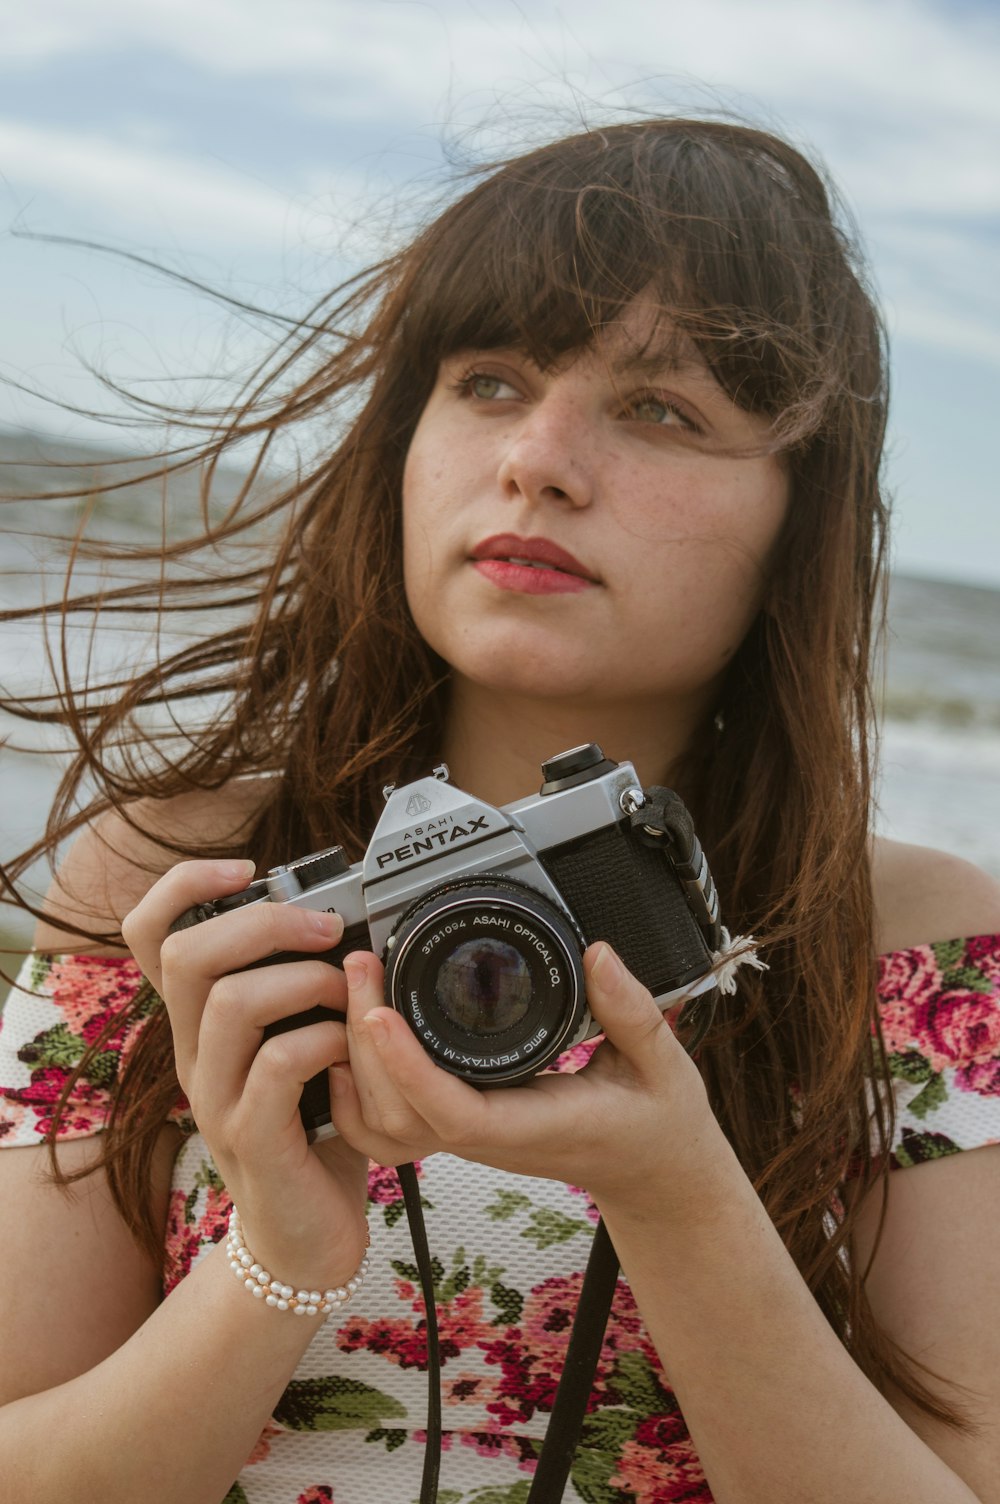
x,y
485,386
655,410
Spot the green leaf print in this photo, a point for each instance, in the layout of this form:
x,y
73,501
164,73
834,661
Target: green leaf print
x,y
596,1458
103,1069
235,1495
549,1226
57,1046
517,1493
948,953
509,1302
507,1205
38,971
932,1096
910,1066
209,1176
636,1382
966,979
335,1404
391,1438
916,1148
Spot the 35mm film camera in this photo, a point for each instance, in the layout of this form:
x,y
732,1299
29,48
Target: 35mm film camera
x,y
482,913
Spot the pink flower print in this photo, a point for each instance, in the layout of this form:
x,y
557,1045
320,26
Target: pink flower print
x,y
399,1342
85,986
262,1446
88,1109
983,953
383,1183
11,1118
531,1356
502,1444
983,1077
958,1029
907,980
645,1477
322,1493
576,1058
213,1224
182,1242
468,1389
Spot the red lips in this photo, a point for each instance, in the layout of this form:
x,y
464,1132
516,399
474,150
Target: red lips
x,y
530,551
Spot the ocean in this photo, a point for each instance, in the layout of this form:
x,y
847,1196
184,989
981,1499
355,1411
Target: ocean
x,y
940,746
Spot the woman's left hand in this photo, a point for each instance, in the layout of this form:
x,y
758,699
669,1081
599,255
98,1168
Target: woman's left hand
x,y
606,1128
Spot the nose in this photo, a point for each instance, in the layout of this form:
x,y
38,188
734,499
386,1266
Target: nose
x,y
548,456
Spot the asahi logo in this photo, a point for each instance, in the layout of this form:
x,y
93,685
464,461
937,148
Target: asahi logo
x,y
417,804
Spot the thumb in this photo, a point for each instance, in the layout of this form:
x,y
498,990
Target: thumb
x,y
625,1010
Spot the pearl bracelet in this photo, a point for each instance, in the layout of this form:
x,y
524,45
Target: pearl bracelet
x,y
273,1293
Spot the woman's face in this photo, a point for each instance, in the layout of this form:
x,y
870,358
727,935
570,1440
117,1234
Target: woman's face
x,y
561,538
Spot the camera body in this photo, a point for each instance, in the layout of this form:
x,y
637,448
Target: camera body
x,y
481,914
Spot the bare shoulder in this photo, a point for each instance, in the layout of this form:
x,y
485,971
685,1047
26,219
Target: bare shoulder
x,y
116,860
922,895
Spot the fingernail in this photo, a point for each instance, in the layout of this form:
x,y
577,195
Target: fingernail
x,y
338,1082
607,968
378,1030
237,872
356,972
327,924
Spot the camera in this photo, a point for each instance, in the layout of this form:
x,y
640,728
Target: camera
x,y
481,914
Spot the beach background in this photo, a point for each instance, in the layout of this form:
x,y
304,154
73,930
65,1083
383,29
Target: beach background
x,y
940,761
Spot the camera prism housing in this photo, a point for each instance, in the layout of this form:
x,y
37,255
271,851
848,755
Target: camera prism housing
x,y
481,914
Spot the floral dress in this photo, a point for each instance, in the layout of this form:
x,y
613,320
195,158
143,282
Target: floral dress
x,y
509,1254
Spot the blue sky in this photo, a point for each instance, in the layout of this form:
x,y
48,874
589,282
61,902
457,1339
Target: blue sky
x,y
269,147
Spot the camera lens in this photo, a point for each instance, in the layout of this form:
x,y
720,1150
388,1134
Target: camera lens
x,y
484,986
488,974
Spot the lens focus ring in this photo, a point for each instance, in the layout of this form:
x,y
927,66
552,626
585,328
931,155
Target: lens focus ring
x,y
488,974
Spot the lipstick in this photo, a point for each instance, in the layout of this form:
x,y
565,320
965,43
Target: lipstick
x,y
531,566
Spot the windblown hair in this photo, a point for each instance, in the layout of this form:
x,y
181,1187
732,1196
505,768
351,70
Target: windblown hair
x,y
331,690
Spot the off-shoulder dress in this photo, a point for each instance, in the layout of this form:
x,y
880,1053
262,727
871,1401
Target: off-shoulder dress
x,y
509,1257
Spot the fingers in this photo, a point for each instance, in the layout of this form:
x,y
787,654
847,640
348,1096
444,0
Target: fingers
x,y
240,1006
185,885
397,1096
206,960
625,1010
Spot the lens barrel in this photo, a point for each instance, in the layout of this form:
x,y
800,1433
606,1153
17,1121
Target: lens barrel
x,y
488,974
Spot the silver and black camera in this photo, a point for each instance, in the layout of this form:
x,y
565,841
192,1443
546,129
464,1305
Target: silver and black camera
x,y
481,914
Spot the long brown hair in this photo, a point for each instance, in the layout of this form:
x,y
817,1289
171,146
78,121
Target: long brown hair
x,y
329,688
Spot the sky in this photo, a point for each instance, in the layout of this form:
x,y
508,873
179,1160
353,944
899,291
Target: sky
x,y
270,146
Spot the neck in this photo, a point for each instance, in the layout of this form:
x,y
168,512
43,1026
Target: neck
x,y
495,743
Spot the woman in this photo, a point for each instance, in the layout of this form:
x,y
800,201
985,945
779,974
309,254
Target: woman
x,y
609,474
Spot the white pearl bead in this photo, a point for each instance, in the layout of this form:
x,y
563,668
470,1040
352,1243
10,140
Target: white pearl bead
x,y
263,1278
282,1305
302,1296
287,1292
244,1253
341,1293
258,1292
250,1284
311,1310
299,1310
329,1295
270,1300
255,1269
246,1260
352,1285
314,1297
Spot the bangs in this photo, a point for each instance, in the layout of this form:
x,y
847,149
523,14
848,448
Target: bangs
x,y
549,251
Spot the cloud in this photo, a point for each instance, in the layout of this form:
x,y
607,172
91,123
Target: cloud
x,y
147,186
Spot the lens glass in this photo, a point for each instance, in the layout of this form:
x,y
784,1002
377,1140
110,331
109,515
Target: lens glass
x,y
484,986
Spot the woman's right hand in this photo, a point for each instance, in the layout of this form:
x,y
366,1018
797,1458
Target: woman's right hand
x,y
302,1206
